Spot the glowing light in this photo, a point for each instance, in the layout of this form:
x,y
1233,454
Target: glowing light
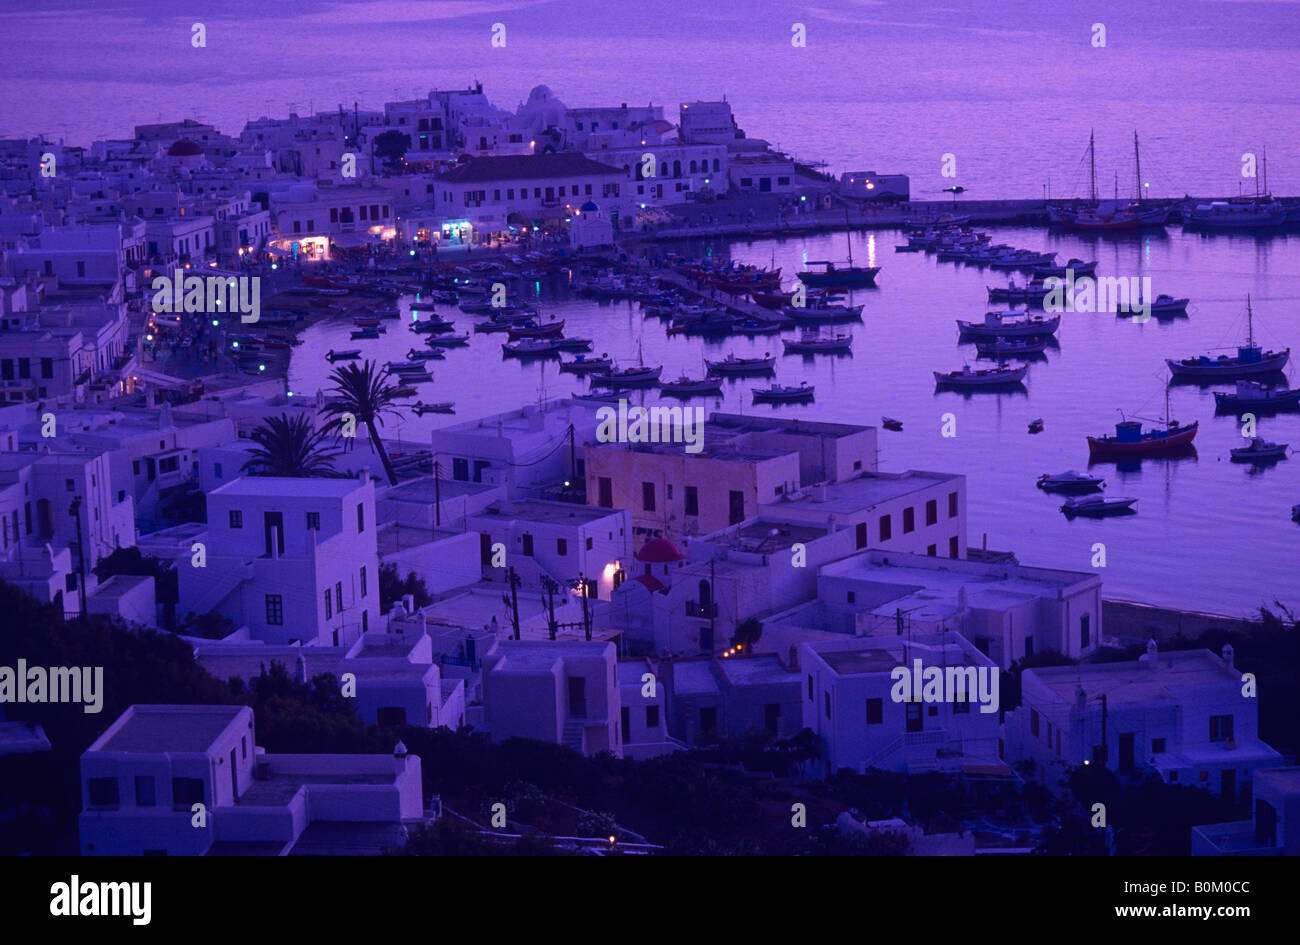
x,y
148,337
261,367
233,344
412,252
275,265
215,323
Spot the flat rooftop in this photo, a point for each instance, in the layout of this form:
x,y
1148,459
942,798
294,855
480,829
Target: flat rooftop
x,y
277,487
546,511
425,491
863,491
764,536
755,671
153,729
883,655
1134,681
278,789
1287,780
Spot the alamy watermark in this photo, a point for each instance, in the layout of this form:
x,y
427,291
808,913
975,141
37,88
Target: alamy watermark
x,y
208,294
62,684
624,424
1090,294
946,684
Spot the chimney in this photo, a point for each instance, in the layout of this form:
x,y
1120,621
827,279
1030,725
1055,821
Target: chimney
x,y
1152,657
1227,654
408,603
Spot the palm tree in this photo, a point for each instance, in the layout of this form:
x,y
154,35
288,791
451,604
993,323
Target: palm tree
x,y
290,446
367,394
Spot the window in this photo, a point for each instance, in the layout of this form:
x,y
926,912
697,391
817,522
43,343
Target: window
x,y
810,688
915,719
186,792
931,511
216,470
361,517
528,544
932,550
1033,722
313,521
626,718
885,527
692,501
460,470
561,547
851,597
274,610
145,795
236,518
652,716
329,607
1157,746
47,367
1085,631
590,543
243,747
861,535
605,488
952,505
708,719
735,507
648,496
103,792
826,703
1029,646
875,711
363,582
909,520
338,596
1220,728
69,485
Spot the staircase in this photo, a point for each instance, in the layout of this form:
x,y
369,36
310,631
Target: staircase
x,y
572,737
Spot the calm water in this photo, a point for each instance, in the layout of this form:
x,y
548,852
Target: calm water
x,y
1209,534
1010,87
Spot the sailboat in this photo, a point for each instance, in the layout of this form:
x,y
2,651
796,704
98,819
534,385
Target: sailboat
x,y
1261,211
842,277
1115,217
1250,359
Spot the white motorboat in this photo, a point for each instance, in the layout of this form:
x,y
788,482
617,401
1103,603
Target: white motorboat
x,y
1259,451
779,393
1098,505
1070,481
987,377
1010,325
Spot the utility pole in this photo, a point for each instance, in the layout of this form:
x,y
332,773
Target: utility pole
x,y
586,615
549,587
513,579
437,492
75,512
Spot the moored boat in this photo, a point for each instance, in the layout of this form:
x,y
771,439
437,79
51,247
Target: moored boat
x,y
1259,451
1250,359
1010,325
734,365
1256,396
346,354
988,377
586,365
779,393
1070,481
1098,505
687,386
818,344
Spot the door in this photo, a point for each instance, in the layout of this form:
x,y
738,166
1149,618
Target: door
x,y
1126,751
273,522
771,716
1228,784
578,696
606,487
915,717
735,507
234,776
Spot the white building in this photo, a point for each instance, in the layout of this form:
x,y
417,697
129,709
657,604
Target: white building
x,y
849,700
1181,714
291,559
142,779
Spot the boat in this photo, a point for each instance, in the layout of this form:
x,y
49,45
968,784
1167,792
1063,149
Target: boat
x,y
534,330
601,396
347,354
573,344
1032,293
1131,441
1259,451
585,365
1167,305
1295,513
420,408
365,334
686,386
1070,481
889,423
816,344
779,393
639,376
432,354
841,277
447,341
1036,425
1010,325
405,390
1000,347
734,365
1096,506
822,311
1250,359
1257,396
530,348
1077,267
1239,213
987,377
1113,216
432,327
752,326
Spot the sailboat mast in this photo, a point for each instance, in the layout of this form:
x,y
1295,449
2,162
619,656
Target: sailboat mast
x,y
1250,325
1137,168
848,236
1092,164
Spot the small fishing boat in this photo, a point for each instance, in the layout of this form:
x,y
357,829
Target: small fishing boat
x,y
420,408
405,390
1168,305
822,311
530,348
1010,325
1070,481
447,341
1077,267
585,365
779,393
1097,506
1036,425
573,344
686,386
433,326
816,344
1131,441
601,396
639,376
534,330
1012,347
365,334
347,354
1259,451
1033,293
734,365
987,377
1257,396
1250,359
889,423
752,326
432,354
